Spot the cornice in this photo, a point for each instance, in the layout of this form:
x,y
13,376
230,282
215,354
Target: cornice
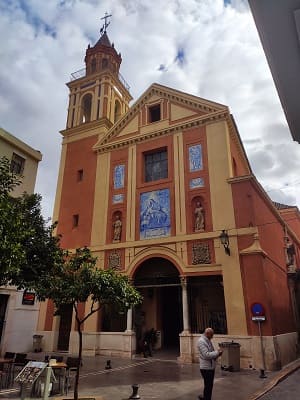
x,y
170,94
82,128
255,248
103,146
242,178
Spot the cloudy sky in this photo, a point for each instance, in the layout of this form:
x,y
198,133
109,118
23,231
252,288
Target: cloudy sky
x,y
209,48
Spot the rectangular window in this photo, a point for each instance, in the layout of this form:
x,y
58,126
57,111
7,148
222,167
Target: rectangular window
x,y
154,113
80,175
156,165
17,164
75,220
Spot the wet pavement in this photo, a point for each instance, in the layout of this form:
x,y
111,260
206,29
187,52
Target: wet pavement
x,y
162,377
288,389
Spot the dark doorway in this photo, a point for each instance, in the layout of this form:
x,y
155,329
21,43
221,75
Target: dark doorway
x,y
158,281
3,306
66,313
207,304
171,309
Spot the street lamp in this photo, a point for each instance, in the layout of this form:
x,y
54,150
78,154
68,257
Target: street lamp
x,y
224,238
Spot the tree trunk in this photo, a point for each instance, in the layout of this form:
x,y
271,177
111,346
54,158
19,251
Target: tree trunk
x,y
79,364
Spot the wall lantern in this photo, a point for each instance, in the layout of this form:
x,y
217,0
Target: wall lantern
x,y
224,238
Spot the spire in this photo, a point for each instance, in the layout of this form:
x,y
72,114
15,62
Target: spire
x,y
103,56
104,41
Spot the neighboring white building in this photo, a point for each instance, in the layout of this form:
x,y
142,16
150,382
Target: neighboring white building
x,y
278,25
18,313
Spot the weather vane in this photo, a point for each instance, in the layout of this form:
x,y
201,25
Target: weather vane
x,y
103,29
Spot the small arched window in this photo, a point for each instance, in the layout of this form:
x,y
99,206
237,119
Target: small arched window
x,y
104,63
86,108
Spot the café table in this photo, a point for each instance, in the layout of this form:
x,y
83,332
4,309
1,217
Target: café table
x,y
59,369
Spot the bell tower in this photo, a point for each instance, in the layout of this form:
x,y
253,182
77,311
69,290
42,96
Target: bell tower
x,y
98,91
98,98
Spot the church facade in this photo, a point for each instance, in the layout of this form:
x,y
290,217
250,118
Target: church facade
x,y
163,192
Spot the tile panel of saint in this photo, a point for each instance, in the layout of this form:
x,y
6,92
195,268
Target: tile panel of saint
x,y
195,158
155,214
119,174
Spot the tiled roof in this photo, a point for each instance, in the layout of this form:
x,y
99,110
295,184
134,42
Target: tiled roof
x,y
281,206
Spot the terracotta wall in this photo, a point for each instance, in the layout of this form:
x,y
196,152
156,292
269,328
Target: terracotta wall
x,y
292,217
77,197
264,277
251,209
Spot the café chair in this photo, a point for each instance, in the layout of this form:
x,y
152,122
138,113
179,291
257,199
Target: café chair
x,y
6,370
4,379
10,355
19,362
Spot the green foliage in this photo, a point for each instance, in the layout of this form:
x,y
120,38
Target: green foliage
x,y
28,248
77,279
8,180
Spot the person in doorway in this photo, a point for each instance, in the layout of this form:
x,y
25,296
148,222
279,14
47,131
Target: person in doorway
x,y
207,361
148,342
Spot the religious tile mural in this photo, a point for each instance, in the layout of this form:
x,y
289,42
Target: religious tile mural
x,y
118,198
155,218
119,174
195,158
196,183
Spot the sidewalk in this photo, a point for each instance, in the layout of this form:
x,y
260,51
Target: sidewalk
x,y
161,378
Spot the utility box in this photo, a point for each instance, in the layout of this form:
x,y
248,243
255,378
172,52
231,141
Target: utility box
x,y
230,359
37,343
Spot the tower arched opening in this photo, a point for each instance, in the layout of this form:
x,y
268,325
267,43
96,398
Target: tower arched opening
x,y
117,110
86,108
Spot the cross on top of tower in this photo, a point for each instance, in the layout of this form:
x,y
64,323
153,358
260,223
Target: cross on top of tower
x,y
103,29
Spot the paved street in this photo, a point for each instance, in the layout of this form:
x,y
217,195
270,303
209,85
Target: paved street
x,y
288,389
159,378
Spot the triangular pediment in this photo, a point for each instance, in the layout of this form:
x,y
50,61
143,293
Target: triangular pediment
x,y
177,109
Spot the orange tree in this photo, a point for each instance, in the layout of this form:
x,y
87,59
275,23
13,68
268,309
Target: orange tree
x,y
77,279
28,248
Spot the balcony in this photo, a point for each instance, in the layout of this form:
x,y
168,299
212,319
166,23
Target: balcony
x,y
82,73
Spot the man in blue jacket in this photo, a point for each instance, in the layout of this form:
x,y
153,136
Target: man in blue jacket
x,y
207,360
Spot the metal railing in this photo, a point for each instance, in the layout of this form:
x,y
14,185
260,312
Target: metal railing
x,y
82,73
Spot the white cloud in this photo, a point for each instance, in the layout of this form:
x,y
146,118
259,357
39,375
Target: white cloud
x,y
223,61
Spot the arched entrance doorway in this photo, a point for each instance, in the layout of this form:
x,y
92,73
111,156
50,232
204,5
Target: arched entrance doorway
x,y
159,283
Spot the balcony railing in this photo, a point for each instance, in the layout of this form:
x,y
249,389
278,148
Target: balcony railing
x,y
82,72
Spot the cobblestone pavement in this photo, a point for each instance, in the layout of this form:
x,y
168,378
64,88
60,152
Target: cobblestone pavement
x,y
166,379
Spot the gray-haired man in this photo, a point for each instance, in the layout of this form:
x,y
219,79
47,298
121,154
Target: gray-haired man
x,y
207,360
